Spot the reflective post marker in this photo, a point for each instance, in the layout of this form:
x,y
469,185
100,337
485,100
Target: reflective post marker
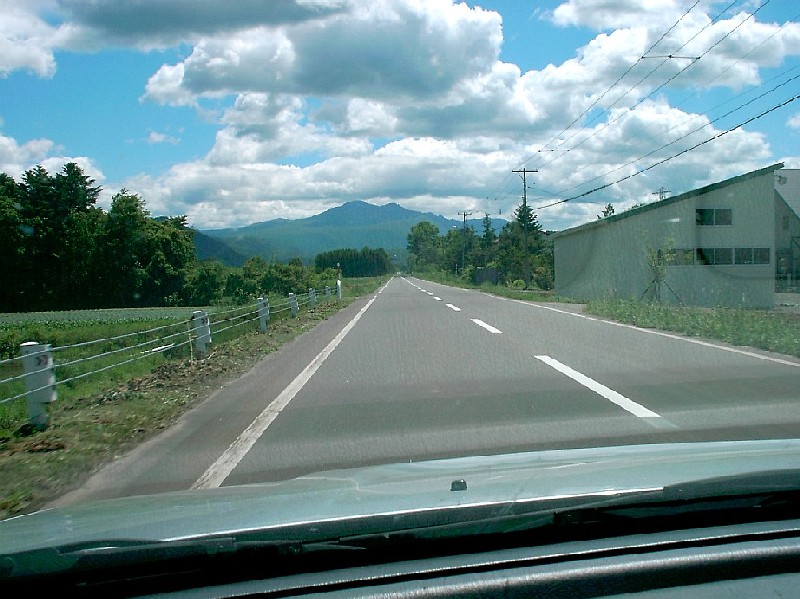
x,y
40,380
202,331
263,313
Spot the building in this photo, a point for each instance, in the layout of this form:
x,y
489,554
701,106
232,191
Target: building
x,y
733,243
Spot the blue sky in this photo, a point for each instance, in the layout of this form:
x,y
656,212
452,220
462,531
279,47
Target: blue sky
x,y
233,113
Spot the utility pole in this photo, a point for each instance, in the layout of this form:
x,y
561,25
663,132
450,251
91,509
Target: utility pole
x,y
661,193
524,172
465,214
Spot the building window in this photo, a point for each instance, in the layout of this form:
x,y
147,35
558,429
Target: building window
x,y
744,255
714,255
752,255
760,255
706,217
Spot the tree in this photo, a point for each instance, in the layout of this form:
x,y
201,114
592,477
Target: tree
x,y
424,244
206,283
12,240
60,220
367,262
607,211
487,242
519,240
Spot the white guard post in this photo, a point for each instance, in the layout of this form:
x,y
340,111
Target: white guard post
x,y
202,331
263,313
40,380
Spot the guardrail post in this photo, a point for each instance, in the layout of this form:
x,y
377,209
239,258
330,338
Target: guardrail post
x,y
327,294
312,297
339,289
202,331
263,313
40,380
293,304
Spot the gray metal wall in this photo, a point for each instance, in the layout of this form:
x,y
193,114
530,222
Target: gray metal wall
x,y
609,258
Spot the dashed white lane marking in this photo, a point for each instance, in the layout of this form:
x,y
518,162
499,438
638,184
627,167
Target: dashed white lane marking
x,y
488,327
429,292
611,395
230,458
437,298
453,308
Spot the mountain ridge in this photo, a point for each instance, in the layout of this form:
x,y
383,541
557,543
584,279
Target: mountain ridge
x,y
353,224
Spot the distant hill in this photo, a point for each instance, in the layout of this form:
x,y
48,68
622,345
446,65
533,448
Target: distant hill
x,y
351,225
211,248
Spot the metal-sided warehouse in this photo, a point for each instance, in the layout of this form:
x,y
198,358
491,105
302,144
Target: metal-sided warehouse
x,y
735,243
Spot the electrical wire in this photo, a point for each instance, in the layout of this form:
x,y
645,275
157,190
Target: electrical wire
x,y
682,152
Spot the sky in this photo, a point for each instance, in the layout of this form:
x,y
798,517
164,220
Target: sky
x,y
244,111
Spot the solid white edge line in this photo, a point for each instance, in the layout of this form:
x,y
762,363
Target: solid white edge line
x,y
488,327
733,350
611,395
230,458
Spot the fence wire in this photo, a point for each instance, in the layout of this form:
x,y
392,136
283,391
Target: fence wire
x,y
231,319
118,337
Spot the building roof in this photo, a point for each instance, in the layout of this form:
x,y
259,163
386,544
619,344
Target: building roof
x,y
678,198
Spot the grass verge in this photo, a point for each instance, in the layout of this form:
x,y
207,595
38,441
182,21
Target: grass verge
x,y
536,295
763,329
92,424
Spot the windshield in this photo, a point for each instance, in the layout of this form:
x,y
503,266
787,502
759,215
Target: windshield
x,y
252,243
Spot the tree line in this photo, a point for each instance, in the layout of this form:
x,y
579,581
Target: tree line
x,y
520,254
60,251
367,262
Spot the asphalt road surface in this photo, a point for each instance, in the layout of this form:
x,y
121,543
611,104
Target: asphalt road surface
x,y
421,371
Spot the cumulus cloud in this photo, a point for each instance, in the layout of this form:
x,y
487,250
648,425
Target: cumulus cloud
x,y
378,50
615,14
147,23
26,39
407,100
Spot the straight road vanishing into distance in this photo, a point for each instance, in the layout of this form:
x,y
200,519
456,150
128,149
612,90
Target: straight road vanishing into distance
x,y
423,371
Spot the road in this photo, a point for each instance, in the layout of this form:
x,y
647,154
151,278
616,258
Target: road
x,y
421,371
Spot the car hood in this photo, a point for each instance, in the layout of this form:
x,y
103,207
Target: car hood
x,y
390,491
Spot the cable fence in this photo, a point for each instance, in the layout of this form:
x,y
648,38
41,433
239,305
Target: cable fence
x,y
41,368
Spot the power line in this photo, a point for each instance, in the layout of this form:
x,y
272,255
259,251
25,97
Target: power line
x,y
660,162
619,79
662,85
692,132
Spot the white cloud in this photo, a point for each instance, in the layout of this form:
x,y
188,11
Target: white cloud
x,y
26,40
794,122
615,14
156,23
155,137
407,101
379,50
16,158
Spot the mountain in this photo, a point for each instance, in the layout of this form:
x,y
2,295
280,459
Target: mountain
x,y
211,248
351,225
